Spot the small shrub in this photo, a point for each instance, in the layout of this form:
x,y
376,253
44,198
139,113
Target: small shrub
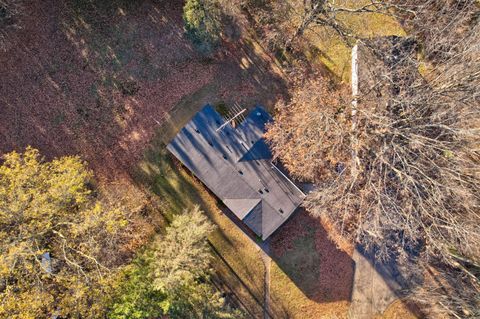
x,y
129,88
202,24
222,109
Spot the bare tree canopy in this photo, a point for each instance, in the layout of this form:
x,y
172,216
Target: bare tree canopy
x,y
439,25
313,126
412,189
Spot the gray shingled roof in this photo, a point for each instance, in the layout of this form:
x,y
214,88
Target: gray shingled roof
x,y
235,164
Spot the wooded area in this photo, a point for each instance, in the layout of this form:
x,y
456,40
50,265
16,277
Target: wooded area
x,y
132,234
400,177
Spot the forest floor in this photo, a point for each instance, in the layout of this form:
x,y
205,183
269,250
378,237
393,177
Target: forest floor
x,y
94,77
112,81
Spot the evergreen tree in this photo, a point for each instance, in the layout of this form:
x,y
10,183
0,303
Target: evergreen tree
x,y
202,24
173,276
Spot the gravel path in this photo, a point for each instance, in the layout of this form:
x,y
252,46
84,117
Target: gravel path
x,y
373,288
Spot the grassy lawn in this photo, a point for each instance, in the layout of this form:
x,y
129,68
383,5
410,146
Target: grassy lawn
x,y
310,277
325,46
398,310
289,301
239,263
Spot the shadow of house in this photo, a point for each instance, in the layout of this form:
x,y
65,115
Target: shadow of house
x,y
305,253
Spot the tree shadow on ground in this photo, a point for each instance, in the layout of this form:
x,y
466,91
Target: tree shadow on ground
x,y
389,281
83,77
238,278
94,78
309,261
240,271
302,249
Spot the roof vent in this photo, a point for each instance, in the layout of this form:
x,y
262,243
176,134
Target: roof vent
x,y
281,211
240,172
260,191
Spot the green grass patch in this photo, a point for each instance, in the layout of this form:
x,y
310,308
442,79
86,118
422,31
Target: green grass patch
x,y
327,47
289,301
302,261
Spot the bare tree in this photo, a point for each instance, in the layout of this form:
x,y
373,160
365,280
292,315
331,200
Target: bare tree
x,y
313,125
283,22
439,25
415,194
325,13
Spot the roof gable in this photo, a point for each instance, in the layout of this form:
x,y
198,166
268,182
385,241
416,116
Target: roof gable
x,y
236,165
242,206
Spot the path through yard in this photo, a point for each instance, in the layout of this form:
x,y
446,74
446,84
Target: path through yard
x,y
267,261
373,288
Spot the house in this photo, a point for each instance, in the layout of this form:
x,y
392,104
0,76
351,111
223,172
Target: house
x,y
235,163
